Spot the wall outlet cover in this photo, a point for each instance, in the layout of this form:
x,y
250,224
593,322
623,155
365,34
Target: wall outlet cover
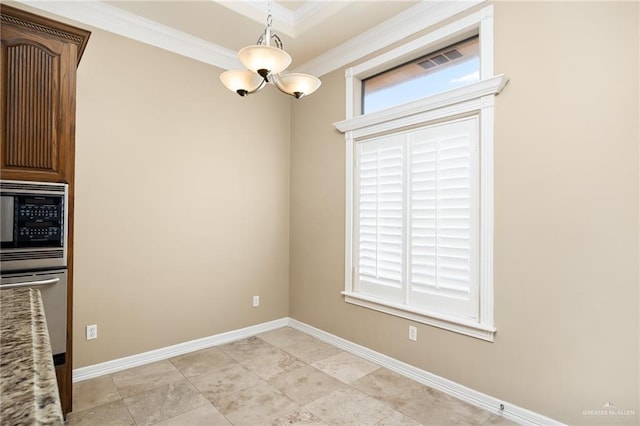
x,y
413,333
92,332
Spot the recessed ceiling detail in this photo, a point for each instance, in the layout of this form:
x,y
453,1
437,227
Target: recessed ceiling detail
x,y
290,22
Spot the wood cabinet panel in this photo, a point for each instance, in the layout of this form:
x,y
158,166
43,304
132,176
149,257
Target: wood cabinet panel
x,y
38,74
31,139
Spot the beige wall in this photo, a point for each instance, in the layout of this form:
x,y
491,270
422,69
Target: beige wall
x,y
566,219
182,202
157,133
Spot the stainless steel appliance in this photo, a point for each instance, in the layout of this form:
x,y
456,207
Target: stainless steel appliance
x,y
33,230
33,225
53,288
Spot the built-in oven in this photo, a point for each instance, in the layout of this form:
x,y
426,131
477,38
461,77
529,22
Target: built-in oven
x,y
33,225
34,230
53,289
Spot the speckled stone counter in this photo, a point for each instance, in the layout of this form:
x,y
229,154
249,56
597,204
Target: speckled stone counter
x,y
28,387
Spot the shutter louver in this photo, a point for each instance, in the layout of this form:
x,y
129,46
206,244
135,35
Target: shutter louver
x,y
453,216
380,217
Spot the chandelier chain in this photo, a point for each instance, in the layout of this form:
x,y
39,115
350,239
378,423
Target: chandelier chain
x,y
269,17
269,35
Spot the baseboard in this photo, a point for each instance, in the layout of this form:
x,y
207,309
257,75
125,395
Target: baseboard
x,y
108,367
493,405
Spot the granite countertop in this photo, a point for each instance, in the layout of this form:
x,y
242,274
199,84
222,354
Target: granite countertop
x,y
27,376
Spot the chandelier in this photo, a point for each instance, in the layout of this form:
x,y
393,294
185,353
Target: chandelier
x,y
265,65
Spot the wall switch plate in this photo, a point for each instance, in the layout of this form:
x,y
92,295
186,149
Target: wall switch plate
x,y
413,333
92,332
256,301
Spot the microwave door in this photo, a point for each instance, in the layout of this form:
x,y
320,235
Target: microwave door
x,y
6,218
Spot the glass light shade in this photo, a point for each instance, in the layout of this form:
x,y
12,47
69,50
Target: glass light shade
x,y
296,82
269,58
236,80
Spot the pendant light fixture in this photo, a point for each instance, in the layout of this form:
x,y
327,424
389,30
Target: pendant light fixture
x,y
265,65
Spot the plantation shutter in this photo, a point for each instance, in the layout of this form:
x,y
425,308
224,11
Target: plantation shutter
x,y
417,216
380,218
443,241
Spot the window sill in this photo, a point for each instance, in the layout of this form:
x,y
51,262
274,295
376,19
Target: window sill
x,y
468,328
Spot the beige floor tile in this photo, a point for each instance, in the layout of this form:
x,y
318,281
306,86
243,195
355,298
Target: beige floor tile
x,y
305,384
432,407
255,405
311,351
349,406
398,419
139,379
246,349
273,363
420,402
201,362
205,415
111,414
499,421
346,367
301,416
387,386
285,336
165,402
448,415
93,392
224,381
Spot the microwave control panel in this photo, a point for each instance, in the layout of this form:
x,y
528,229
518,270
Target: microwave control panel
x,y
36,212
39,233
39,219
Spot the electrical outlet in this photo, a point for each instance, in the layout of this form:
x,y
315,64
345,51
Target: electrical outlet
x,y
256,301
92,332
413,333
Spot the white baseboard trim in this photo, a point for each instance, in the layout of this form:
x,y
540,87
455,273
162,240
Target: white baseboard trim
x,y
510,411
113,366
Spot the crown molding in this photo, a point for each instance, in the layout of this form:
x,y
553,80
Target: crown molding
x,y
109,18
404,24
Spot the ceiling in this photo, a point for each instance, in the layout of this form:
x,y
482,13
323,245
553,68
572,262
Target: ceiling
x,y
307,28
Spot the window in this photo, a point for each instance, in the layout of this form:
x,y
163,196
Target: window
x,y
419,217
448,68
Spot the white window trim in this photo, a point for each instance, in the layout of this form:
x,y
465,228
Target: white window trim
x,y
475,98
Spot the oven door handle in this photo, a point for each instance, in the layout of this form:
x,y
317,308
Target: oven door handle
x,y
31,283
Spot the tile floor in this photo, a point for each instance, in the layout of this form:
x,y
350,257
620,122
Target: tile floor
x,y
279,377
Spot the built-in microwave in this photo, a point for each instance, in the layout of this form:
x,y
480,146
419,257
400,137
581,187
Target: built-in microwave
x,y
33,225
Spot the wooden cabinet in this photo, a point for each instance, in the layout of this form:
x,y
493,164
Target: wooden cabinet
x,y
37,116
39,60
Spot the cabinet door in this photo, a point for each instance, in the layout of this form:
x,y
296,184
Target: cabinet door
x,y
38,106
